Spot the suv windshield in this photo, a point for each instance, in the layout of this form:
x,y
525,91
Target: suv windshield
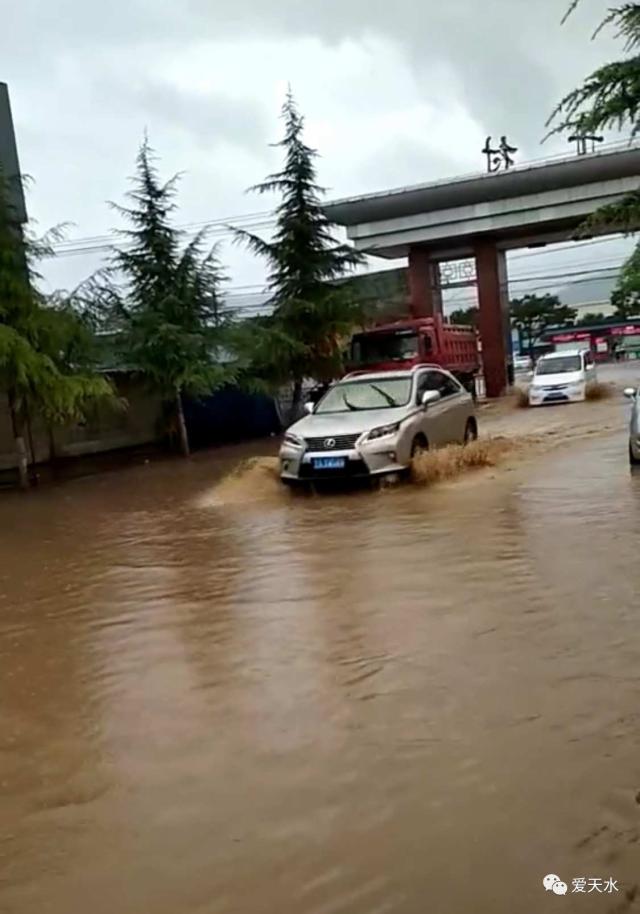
x,y
350,396
368,349
559,365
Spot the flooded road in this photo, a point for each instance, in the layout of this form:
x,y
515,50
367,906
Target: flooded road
x,y
405,701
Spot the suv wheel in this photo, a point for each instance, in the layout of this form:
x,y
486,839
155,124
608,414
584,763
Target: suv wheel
x,y
471,431
420,446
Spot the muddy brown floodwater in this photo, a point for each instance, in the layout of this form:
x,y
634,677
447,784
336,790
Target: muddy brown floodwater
x,y
421,699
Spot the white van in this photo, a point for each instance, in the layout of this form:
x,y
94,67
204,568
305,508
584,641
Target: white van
x,y
562,377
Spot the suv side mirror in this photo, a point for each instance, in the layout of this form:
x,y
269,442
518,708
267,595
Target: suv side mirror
x,y
430,396
630,392
308,407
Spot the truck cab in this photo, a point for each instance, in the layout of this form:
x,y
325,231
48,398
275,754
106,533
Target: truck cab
x,y
390,349
418,341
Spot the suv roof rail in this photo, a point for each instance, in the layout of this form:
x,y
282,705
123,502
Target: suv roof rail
x,y
383,371
354,374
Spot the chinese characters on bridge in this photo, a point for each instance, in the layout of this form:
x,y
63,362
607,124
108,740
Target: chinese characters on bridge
x,y
457,273
501,157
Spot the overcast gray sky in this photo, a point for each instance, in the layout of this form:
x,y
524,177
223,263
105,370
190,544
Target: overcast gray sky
x,y
394,93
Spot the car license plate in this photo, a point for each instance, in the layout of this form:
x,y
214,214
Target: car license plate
x,y
329,463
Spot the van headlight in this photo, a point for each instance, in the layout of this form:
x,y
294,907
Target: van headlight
x,y
383,432
290,438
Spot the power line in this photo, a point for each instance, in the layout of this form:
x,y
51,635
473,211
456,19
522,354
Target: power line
x,y
109,245
188,227
583,277
564,275
572,245
549,281
223,227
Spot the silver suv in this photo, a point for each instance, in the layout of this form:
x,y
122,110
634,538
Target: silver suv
x,y
633,393
370,424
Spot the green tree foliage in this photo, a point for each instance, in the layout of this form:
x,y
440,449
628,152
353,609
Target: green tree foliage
x,y
46,367
465,316
531,315
162,298
311,312
591,317
626,295
609,99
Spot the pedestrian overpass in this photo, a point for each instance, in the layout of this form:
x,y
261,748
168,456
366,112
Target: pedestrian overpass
x,y
481,217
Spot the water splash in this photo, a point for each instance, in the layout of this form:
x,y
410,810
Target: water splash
x,y
255,479
452,461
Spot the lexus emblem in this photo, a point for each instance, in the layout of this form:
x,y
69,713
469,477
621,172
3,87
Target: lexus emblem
x,y
329,443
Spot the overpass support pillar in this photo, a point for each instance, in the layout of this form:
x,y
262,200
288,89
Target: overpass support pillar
x,y
493,303
425,297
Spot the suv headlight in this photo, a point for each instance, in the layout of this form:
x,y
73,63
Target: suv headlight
x,y
290,438
383,432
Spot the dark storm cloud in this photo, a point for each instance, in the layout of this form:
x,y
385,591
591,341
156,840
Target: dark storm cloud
x,y
206,77
509,60
208,117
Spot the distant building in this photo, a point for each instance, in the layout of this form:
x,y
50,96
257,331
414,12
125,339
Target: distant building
x,y
615,339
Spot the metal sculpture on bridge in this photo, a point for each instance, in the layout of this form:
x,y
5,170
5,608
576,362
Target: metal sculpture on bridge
x,y
582,139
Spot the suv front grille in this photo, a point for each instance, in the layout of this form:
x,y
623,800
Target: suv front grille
x,y
332,442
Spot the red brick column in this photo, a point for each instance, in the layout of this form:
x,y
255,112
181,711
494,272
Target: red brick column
x,y
425,298
494,315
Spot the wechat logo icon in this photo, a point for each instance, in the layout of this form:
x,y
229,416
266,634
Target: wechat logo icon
x,y
554,884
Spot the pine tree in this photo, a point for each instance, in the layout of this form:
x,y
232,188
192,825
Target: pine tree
x,y
311,312
609,98
45,367
164,297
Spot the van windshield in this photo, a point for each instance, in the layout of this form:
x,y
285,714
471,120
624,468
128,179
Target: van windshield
x,y
559,365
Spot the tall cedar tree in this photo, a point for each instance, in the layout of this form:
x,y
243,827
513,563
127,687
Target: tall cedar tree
x,y
312,313
46,347
164,297
609,99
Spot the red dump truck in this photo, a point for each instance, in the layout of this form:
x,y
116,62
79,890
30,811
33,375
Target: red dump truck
x,y
416,341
